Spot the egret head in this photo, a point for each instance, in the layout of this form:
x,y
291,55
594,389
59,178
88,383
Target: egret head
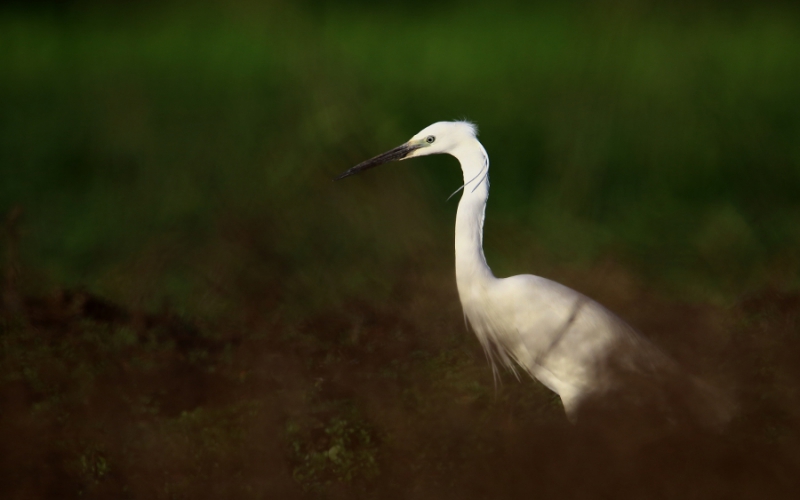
x,y
441,137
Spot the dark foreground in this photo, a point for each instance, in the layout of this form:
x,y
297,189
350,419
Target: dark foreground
x,y
100,400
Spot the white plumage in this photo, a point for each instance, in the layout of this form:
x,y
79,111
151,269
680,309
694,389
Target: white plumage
x,y
564,339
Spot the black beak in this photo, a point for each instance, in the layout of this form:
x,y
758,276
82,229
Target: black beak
x,y
397,153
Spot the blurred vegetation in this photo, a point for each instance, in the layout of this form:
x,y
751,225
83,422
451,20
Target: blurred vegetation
x,y
192,308
666,137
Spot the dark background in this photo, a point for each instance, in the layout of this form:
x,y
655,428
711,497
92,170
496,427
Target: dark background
x,y
191,308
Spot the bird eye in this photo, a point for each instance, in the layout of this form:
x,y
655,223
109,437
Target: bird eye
x,y
430,139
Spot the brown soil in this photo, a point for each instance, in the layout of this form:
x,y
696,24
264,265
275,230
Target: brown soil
x,y
375,401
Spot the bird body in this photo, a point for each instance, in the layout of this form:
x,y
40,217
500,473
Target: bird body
x,y
559,336
553,332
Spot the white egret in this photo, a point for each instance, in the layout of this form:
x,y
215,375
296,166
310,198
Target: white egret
x,y
559,336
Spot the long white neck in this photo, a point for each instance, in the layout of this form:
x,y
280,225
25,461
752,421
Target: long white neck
x,y
471,268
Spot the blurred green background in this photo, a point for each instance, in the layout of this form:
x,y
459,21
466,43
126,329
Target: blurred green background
x,y
664,137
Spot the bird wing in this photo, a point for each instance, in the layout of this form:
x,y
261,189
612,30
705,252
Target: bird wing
x,y
561,337
578,348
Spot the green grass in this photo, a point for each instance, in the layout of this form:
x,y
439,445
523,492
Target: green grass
x,y
664,137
